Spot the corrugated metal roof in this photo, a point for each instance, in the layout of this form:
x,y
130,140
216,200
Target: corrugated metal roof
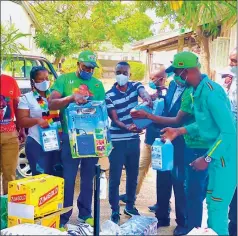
x,y
158,38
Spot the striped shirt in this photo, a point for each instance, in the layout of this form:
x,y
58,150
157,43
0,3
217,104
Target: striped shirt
x,y
123,103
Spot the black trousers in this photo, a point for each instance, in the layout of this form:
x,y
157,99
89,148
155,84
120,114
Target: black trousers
x,y
176,179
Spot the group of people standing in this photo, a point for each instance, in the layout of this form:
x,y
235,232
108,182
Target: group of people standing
x,y
197,118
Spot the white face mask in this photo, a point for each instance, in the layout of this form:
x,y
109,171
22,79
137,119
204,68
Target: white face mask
x,y
43,86
122,79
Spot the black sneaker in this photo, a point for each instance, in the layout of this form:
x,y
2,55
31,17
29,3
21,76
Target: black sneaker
x,y
132,212
115,217
163,223
123,198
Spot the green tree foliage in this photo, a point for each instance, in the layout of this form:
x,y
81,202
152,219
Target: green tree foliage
x,y
137,71
190,14
10,41
72,26
70,65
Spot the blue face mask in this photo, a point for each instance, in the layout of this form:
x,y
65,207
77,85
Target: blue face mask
x,y
85,75
234,69
178,78
152,85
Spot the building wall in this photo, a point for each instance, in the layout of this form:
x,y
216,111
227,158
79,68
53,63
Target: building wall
x,y
14,13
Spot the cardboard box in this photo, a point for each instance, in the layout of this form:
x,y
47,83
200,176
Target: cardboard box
x,y
16,216
41,195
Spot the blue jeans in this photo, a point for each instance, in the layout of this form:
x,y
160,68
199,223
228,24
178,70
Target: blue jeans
x,y
196,186
233,216
40,161
125,153
87,173
176,179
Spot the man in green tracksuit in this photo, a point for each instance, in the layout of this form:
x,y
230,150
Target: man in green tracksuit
x,y
215,124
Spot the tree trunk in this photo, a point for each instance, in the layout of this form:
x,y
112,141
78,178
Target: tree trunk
x,y
56,62
205,52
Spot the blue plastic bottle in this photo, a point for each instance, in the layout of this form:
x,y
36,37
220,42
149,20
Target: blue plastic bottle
x,y
162,155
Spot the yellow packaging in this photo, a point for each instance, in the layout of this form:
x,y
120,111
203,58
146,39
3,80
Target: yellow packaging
x,y
44,192
52,220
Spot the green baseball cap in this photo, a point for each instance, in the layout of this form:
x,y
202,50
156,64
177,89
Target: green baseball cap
x,y
88,58
183,60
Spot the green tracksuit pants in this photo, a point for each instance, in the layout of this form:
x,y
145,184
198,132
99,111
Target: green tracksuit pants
x,y
221,188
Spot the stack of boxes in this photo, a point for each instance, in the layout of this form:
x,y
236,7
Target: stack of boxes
x,y
36,200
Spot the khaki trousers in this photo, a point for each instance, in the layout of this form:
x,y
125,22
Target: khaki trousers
x,y
9,148
144,166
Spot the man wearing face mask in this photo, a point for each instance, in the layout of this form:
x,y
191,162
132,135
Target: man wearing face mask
x,y
157,81
229,82
216,126
120,100
167,179
77,87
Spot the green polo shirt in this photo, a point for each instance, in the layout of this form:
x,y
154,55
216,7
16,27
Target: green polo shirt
x,y
67,83
187,106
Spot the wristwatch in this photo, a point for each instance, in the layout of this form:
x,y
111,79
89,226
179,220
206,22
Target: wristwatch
x,y
208,159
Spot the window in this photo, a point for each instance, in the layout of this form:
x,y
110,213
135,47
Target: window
x,y
132,58
125,58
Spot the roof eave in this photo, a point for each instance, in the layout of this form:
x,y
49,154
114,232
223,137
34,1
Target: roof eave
x,y
26,6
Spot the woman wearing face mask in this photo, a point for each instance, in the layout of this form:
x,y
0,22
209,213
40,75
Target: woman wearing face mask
x,y
33,112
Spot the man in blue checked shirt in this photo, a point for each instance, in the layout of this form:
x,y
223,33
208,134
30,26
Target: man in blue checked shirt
x,y
120,100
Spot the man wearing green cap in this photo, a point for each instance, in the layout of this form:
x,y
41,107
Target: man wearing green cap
x,y
77,87
215,124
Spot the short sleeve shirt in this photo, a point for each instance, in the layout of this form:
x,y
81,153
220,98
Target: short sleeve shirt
x,y
66,85
187,106
28,102
123,103
9,91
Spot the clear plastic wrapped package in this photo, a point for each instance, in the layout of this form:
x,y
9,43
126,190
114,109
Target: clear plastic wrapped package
x,y
140,225
31,229
79,229
110,228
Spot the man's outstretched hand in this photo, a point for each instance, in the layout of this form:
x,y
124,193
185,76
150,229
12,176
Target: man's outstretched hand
x,y
169,133
134,129
139,114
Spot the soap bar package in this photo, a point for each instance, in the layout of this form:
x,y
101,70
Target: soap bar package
x,y
158,107
88,129
37,195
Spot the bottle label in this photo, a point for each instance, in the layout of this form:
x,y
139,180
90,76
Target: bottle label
x,y
50,140
157,157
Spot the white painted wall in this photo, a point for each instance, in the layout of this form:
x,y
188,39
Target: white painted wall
x,y
15,14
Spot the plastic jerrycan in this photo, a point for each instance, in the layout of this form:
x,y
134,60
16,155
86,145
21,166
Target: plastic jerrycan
x,y
162,155
158,107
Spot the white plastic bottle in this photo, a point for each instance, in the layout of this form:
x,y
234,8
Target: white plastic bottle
x,y
103,186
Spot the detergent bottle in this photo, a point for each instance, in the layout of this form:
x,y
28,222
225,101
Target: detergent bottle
x,y
162,155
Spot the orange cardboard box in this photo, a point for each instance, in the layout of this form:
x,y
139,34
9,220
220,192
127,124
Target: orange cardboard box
x,y
45,193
